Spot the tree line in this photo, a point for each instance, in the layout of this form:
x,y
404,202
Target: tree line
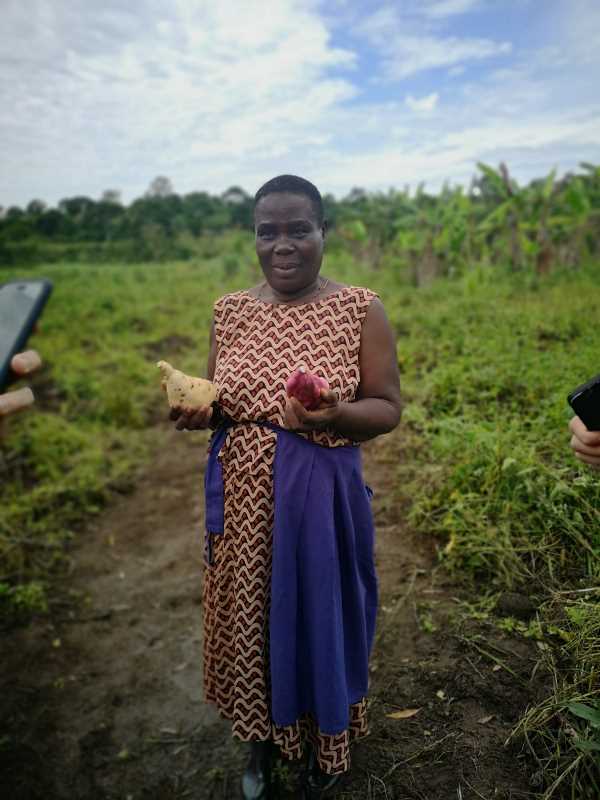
x,y
493,220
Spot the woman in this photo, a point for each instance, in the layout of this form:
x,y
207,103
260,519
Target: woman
x,y
290,590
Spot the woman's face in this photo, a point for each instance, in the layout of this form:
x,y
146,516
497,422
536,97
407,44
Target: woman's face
x,y
289,241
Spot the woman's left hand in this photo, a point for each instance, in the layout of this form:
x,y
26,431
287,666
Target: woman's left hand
x,y
297,418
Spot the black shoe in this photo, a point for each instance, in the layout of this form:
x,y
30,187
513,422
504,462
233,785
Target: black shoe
x,y
256,778
318,784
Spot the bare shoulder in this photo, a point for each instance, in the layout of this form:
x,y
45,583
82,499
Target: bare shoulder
x,y
376,309
376,323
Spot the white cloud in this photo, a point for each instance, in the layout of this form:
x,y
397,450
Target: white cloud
x,y
411,54
210,97
531,148
407,47
115,97
439,9
579,25
423,105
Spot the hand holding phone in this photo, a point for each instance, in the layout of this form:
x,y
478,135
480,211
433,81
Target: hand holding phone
x,y
585,402
585,426
21,303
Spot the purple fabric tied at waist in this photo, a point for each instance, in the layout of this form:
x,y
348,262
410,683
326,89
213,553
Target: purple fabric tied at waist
x,y
323,583
214,494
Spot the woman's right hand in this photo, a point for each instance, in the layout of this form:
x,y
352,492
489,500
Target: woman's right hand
x,y
191,419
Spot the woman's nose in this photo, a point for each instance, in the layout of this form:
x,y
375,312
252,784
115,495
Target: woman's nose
x,y
283,245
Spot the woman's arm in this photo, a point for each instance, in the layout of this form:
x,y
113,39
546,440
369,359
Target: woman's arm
x,y
377,407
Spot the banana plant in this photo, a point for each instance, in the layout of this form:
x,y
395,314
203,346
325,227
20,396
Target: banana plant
x,y
505,222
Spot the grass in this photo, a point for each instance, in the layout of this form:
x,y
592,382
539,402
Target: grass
x,y
487,375
101,335
487,360
487,363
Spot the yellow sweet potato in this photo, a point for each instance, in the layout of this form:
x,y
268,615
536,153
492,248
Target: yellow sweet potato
x,y
184,390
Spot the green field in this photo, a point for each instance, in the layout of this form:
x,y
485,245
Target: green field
x,y
487,359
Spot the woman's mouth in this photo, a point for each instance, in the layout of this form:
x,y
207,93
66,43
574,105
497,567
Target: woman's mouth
x,y
285,269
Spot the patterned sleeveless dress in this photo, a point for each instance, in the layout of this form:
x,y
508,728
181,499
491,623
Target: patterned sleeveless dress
x,y
258,345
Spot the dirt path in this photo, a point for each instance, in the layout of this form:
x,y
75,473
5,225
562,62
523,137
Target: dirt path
x,y
104,699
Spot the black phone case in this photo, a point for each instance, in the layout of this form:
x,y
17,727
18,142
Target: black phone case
x,y
26,328
585,402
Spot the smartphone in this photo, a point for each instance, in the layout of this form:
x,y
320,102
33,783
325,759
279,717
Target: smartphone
x,y
585,402
21,303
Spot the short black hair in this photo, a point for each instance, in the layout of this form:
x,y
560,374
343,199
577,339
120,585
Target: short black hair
x,y
294,185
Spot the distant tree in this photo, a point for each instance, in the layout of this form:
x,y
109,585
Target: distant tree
x,y
76,207
196,207
36,207
240,206
50,224
102,221
16,225
356,195
160,187
111,196
234,195
14,212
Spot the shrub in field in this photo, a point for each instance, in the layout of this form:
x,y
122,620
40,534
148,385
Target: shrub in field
x,y
486,367
488,373
102,334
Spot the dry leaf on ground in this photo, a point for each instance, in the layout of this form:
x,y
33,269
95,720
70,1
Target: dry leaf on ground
x,y
404,714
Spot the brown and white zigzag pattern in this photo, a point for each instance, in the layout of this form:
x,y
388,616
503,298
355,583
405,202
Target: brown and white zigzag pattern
x,y
258,345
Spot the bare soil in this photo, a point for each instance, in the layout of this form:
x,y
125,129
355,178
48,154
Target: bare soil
x,y
102,698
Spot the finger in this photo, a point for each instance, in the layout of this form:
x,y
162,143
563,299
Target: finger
x,y
291,417
291,421
303,417
191,410
24,363
200,418
298,409
15,401
288,418
311,420
582,433
592,461
581,447
329,397
182,422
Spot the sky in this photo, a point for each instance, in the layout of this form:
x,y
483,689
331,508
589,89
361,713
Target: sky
x,y
347,93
